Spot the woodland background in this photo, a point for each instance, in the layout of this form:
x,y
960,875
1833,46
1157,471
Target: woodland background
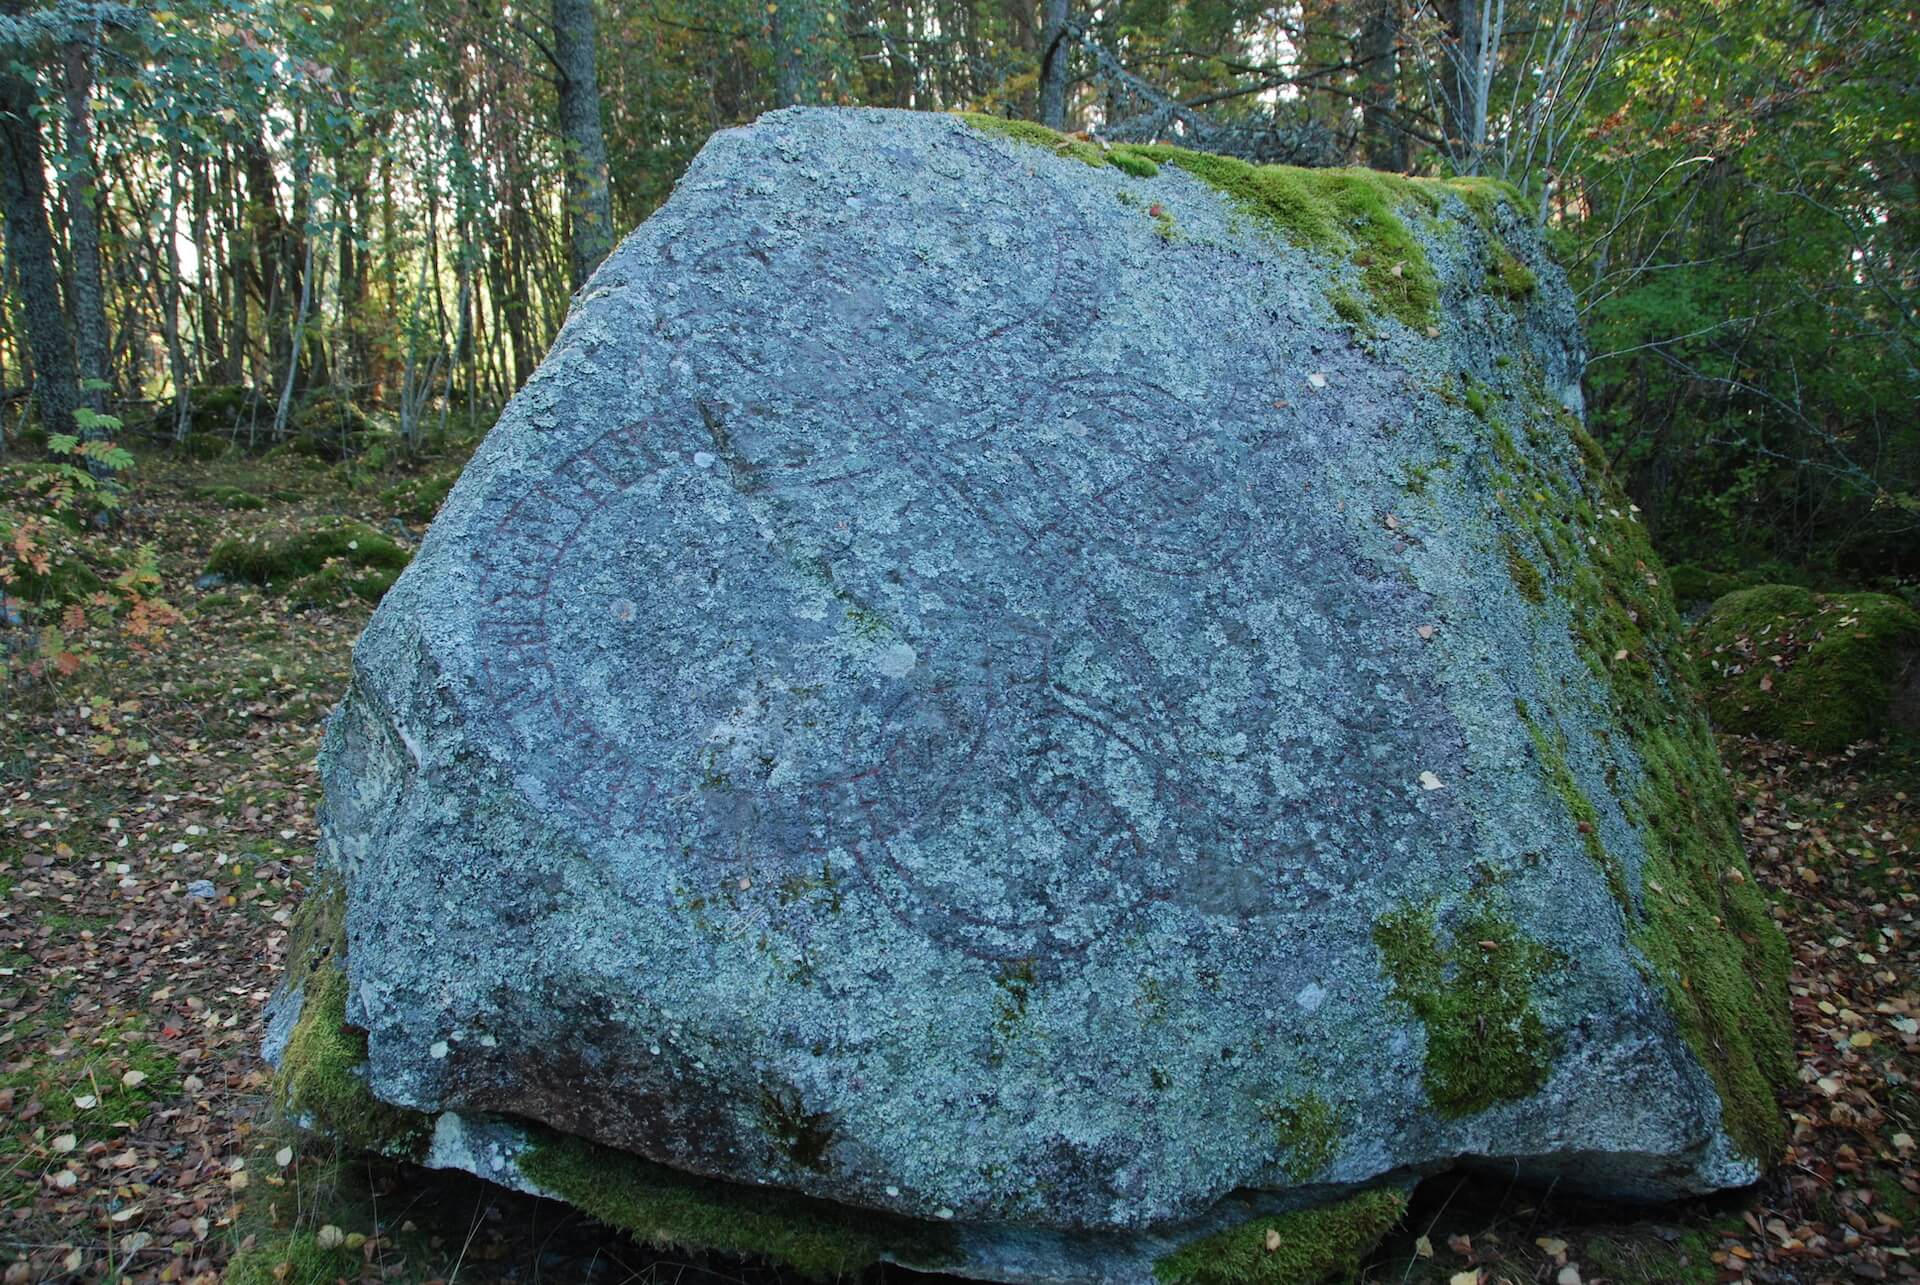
x,y
257,220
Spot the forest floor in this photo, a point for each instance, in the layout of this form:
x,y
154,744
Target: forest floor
x,y
156,833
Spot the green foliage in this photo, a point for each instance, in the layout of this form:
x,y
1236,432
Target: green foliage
x,y
1301,1247
1485,1041
1757,381
675,1210
1819,671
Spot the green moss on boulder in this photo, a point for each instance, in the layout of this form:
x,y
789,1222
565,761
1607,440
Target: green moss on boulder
x,y
675,1210
326,423
1694,913
1302,1247
1358,215
321,563
320,1084
1486,1043
1821,671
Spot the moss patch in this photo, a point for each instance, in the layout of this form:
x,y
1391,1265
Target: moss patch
x,y
420,498
233,498
322,562
1520,569
1699,920
1819,671
319,1082
1509,278
1485,196
1297,1248
671,1209
1485,1041
1352,213
1307,1130
1356,215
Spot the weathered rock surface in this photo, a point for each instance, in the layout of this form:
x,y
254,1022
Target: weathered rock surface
x,y
1071,698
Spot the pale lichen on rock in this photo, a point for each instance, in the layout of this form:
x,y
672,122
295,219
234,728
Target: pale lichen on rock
x,y
1087,705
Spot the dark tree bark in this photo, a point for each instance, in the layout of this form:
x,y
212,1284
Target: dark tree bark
x,y
1054,50
589,198
86,290
275,267
23,196
1386,142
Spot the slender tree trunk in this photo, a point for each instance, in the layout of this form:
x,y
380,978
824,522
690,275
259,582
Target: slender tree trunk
x,y
239,348
299,334
1054,51
797,31
210,355
269,252
23,194
170,242
1386,142
87,292
589,198
1474,43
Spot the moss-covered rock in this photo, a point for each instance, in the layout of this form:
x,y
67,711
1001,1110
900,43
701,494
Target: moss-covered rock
x,y
1696,916
1818,670
319,1083
1113,783
1303,1247
326,423
233,498
320,563
1359,216
419,498
675,1210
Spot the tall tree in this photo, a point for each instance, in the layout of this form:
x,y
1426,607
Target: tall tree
x,y
1055,46
23,198
87,282
589,197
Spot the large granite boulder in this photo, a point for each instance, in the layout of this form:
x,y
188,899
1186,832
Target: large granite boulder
x,y
1035,709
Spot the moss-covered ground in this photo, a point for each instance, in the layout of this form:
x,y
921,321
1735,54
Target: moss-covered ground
x,y
139,1137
